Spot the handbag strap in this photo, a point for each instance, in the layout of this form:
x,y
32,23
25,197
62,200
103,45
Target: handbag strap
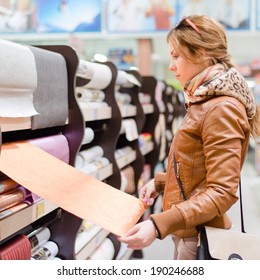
x,y
241,206
185,198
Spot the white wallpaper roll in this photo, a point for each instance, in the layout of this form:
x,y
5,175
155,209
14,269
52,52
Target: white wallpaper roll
x,y
40,237
105,251
125,79
48,250
87,95
92,153
88,135
18,80
84,237
100,75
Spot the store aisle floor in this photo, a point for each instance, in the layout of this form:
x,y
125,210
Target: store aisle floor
x,y
163,249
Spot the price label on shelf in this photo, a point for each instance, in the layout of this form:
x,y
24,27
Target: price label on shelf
x,y
40,209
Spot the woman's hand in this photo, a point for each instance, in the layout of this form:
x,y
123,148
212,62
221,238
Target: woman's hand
x,y
148,193
139,236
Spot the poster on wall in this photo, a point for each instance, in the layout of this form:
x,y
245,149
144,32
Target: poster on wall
x,y
45,16
232,14
17,15
140,16
68,15
257,15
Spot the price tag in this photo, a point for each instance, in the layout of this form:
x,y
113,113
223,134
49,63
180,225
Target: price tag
x,y
40,209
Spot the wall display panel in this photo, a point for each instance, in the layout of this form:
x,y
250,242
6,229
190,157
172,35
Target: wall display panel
x,y
257,14
233,14
69,16
50,16
140,16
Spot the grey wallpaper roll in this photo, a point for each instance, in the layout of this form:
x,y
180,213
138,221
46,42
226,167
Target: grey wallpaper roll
x,y
50,98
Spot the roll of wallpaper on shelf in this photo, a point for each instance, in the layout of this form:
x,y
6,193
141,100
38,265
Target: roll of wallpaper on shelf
x,y
88,95
92,153
12,210
18,79
94,166
56,145
84,237
123,98
105,251
51,101
47,250
18,248
130,127
7,184
100,75
88,135
39,237
128,179
125,79
11,198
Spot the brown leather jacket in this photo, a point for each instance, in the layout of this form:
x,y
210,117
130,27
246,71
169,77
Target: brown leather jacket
x,y
210,148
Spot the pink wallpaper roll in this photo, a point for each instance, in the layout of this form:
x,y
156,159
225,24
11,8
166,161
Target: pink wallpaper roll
x,y
56,145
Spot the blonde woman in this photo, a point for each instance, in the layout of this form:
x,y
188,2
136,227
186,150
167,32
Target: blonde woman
x,y
210,147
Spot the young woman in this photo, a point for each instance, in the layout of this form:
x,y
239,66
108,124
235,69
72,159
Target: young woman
x,y
209,149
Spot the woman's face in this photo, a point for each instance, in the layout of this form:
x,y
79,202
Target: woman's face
x,y
183,70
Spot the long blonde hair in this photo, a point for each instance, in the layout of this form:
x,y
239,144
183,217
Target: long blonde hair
x,y
208,36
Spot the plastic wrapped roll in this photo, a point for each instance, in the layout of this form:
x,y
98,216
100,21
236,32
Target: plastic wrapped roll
x,y
48,250
39,237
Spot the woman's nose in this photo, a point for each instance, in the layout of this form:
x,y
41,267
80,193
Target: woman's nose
x,y
172,67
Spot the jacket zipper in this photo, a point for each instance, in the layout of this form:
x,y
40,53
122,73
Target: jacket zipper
x,y
177,174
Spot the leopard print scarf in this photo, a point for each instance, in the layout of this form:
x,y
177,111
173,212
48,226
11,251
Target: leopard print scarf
x,y
217,80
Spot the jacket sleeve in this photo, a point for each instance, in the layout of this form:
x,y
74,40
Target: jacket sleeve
x,y
224,129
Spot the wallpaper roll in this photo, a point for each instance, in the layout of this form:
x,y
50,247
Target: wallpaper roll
x,y
94,166
84,237
88,135
18,80
128,179
18,248
91,153
39,237
11,198
51,95
7,184
123,98
130,127
47,250
105,251
100,75
12,210
127,80
56,145
88,95
69,188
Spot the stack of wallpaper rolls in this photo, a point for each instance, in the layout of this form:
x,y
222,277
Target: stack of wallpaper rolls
x,y
42,247
91,160
97,77
37,245
23,91
12,197
87,231
106,250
